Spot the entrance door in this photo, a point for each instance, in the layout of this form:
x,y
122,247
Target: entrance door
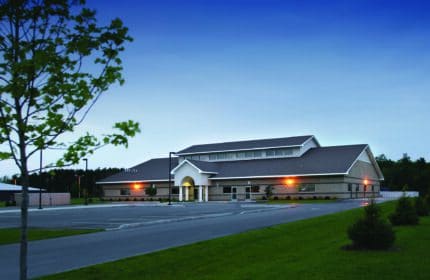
x,y
248,193
234,193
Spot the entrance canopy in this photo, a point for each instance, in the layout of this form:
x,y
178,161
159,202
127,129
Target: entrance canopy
x,y
187,170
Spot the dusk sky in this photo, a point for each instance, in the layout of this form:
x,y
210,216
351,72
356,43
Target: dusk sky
x,y
348,72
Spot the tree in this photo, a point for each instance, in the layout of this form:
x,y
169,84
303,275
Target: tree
x,y
405,213
56,61
268,191
371,231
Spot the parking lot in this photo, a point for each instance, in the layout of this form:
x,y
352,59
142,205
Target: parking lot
x,y
127,215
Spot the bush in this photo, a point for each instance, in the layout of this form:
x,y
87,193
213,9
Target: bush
x,y
421,207
327,198
314,197
405,213
275,198
371,231
142,199
300,198
288,197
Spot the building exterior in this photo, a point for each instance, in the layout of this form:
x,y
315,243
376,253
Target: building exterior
x,y
8,191
292,167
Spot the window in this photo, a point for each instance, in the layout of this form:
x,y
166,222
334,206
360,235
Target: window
x,y
124,192
212,157
288,152
258,154
357,187
240,155
373,188
307,188
350,187
279,152
197,157
175,190
226,190
255,189
230,155
249,154
221,156
270,153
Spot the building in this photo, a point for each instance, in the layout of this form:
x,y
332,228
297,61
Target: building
x,y
8,191
291,167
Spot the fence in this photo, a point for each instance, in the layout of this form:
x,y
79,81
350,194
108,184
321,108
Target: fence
x,y
386,194
48,199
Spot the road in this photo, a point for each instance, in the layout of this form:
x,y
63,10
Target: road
x,y
67,253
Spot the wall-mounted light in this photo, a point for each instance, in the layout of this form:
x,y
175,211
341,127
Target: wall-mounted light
x,y
289,182
136,186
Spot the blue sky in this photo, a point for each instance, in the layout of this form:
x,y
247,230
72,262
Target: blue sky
x,y
208,71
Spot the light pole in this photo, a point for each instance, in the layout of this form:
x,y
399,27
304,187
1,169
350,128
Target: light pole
x,y
86,181
170,177
41,180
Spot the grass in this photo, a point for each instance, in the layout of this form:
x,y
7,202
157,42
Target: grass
x,y
307,249
12,235
76,201
2,204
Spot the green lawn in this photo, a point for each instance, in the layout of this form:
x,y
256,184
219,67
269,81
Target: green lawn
x,y
81,200
12,235
2,204
308,249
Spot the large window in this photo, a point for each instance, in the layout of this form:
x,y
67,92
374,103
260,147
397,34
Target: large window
x,y
249,154
350,187
124,192
226,190
255,189
175,190
307,188
212,157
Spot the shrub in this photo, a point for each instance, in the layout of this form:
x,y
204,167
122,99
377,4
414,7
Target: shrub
x,y
405,213
288,197
142,199
90,200
275,198
151,190
421,206
314,197
300,198
327,198
268,191
371,231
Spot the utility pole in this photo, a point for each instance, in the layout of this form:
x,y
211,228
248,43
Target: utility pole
x,y
86,181
41,180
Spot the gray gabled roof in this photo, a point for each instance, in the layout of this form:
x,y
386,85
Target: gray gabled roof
x,y
335,160
246,145
317,161
156,169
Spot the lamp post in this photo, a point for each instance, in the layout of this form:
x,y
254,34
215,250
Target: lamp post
x,y
41,180
170,177
86,181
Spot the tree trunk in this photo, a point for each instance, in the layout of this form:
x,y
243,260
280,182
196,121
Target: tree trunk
x,y
24,219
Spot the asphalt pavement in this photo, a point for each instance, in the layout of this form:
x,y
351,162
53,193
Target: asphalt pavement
x,y
134,230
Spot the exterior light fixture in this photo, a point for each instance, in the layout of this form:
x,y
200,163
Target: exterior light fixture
x,y
289,182
136,186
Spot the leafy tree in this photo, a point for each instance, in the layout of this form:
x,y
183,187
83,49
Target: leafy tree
x,y
56,61
371,231
405,213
